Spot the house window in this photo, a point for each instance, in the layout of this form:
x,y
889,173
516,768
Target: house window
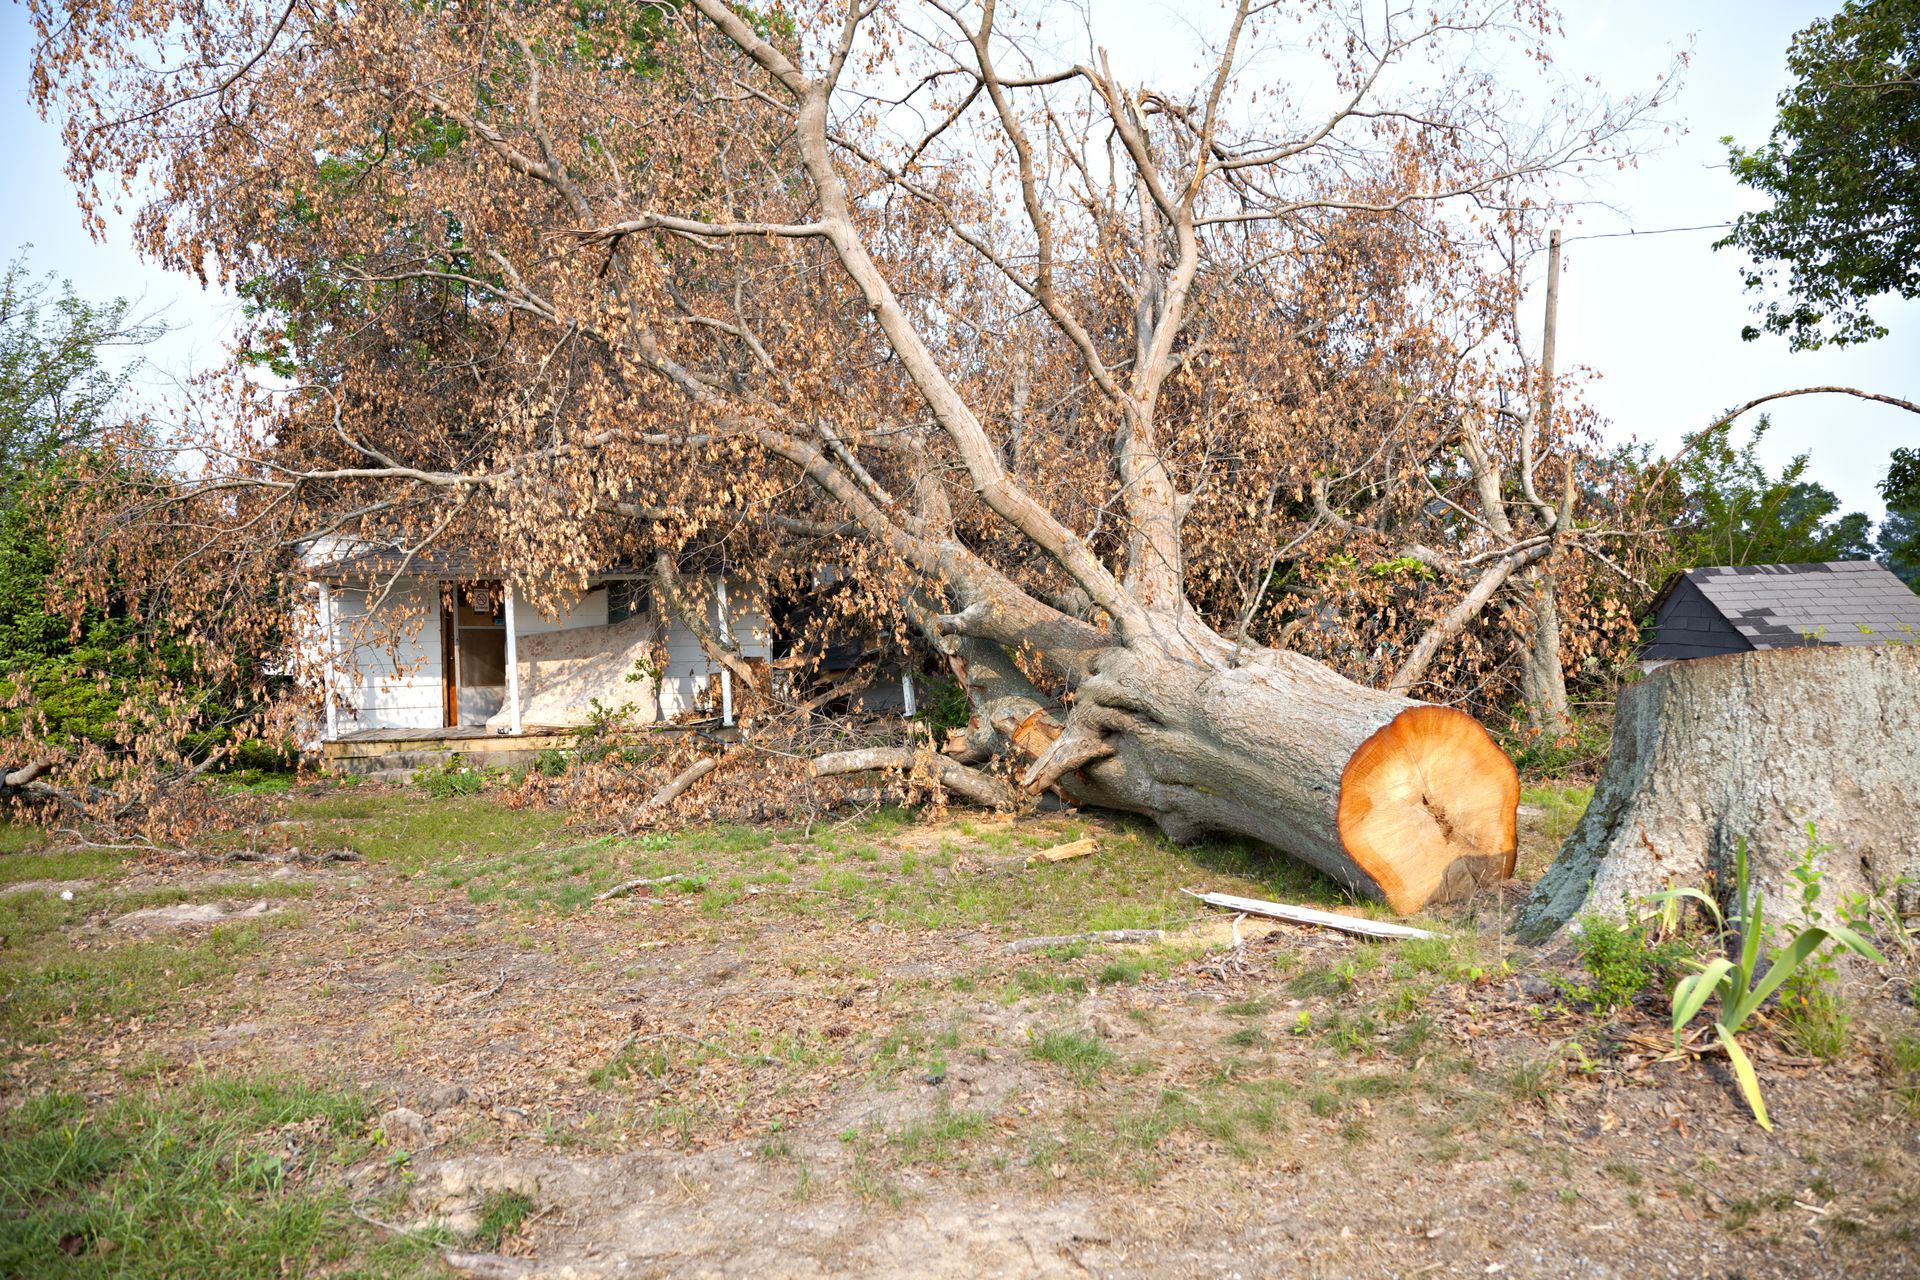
x,y
626,597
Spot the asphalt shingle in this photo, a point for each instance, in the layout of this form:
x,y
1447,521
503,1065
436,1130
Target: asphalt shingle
x,y
1848,602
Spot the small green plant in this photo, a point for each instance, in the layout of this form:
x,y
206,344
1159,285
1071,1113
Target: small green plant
x,y
552,762
1080,1053
1621,961
1813,1015
944,705
1904,1056
501,1213
1737,979
453,778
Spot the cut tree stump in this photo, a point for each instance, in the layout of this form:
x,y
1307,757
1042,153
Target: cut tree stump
x,y
1428,808
1753,745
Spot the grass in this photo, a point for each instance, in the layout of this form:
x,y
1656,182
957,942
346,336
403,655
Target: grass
x,y
54,972
222,1177
413,833
524,857
18,837
1903,1055
1082,1054
937,1139
49,983
1542,835
1532,1080
501,1213
1814,1016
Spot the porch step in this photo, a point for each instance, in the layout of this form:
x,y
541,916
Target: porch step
x,y
400,765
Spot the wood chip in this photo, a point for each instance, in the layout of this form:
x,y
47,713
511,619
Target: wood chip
x,y
1062,852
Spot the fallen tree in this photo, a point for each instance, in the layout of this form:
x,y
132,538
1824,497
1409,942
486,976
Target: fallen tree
x,y
622,283
1777,748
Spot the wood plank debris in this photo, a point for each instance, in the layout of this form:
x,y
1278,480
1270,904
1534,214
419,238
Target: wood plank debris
x,y
1062,852
1310,915
1024,945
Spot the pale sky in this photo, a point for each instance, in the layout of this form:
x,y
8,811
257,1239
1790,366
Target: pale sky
x,y
1657,318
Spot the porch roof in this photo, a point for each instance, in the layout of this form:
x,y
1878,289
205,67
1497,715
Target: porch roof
x,y
434,564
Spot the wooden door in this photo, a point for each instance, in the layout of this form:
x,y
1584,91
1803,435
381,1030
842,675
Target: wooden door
x,y
449,660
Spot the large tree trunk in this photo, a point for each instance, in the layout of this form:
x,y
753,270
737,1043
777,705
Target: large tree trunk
x,y
1753,746
1543,681
1399,800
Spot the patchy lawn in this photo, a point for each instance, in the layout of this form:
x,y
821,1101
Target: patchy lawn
x,y
405,1024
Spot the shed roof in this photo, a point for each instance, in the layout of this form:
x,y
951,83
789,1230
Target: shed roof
x,y
1775,606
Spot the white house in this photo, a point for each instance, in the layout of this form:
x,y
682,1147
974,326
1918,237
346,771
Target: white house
x,y
449,653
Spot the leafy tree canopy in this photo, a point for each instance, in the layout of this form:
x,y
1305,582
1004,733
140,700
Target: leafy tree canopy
x,y
1840,166
1732,510
55,383
72,671
1900,532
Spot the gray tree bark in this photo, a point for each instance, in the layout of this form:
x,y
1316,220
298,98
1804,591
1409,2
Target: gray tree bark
x,y
1753,745
1398,800
1543,681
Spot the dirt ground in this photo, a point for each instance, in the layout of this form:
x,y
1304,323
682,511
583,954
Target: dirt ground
x,y
818,1055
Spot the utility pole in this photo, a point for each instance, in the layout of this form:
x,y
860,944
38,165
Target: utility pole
x,y
1552,322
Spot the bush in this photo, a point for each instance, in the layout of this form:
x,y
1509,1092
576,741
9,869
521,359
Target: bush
x,y
1579,754
553,762
1621,961
453,778
71,680
945,706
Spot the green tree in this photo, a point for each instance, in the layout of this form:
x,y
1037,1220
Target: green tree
x,y
55,383
1899,539
1840,167
56,392
1729,509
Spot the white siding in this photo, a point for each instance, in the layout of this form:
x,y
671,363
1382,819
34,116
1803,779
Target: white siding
x,y
586,610
688,670
389,681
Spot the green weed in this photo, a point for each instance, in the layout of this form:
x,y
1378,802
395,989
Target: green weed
x,y
1080,1053
1903,1055
1621,961
223,1178
1814,1016
937,1139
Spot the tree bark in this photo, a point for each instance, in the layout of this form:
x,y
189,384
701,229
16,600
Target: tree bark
x,y
1401,801
981,788
1753,746
1543,681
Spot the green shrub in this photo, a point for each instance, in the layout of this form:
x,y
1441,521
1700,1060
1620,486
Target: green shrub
x,y
1576,754
1621,961
553,762
453,778
944,706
